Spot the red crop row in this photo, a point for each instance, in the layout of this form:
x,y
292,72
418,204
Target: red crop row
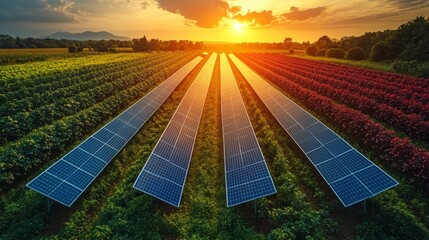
x,y
413,161
391,80
412,124
336,79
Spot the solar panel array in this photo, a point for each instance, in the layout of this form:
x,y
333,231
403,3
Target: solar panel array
x,y
68,178
246,173
163,175
351,176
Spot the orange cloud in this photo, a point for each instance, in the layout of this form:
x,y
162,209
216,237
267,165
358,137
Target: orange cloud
x,y
298,15
205,13
262,18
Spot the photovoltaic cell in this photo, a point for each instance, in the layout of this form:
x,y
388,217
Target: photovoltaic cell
x,y
246,172
163,175
66,179
351,176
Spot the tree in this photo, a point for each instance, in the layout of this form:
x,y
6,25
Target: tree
x,y
288,43
141,45
72,48
355,53
311,50
378,52
323,42
335,53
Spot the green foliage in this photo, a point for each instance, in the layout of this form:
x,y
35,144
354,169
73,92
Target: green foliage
x,y
410,41
355,53
378,52
321,52
311,50
72,48
335,53
391,221
412,68
323,42
141,45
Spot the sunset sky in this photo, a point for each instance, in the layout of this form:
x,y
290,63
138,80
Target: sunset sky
x,y
208,20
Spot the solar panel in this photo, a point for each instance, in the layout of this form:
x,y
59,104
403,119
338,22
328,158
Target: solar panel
x,y
246,172
68,178
351,176
164,174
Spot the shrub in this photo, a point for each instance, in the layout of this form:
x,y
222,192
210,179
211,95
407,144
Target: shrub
x,y
311,50
333,45
335,53
321,52
378,52
356,53
291,51
72,48
411,68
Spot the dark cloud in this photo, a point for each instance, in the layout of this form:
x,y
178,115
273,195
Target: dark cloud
x,y
45,11
205,13
298,15
256,18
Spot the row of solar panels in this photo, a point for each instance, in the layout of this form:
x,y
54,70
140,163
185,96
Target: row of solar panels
x,y
247,175
68,178
164,174
351,176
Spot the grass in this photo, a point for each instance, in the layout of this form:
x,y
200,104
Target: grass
x,y
382,66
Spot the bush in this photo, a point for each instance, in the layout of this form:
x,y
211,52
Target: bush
x,y
411,68
291,51
321,52
356,53
378,52
311,50
335,53
72,48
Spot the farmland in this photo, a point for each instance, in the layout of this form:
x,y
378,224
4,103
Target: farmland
x,y
51,102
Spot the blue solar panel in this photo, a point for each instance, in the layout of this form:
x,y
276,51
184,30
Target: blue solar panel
x,y
66,179
164,174
350,190
246,173
351,175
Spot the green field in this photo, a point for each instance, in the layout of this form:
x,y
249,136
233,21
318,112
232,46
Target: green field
x,y
51,101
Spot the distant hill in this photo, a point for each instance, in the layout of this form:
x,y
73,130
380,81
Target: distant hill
x,y
88,35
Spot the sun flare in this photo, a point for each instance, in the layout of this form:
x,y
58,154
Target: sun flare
x,y
238,26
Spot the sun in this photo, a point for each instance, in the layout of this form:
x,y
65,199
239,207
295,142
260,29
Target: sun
x,y
238,26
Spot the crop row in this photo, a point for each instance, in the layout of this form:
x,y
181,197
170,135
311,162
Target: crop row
x,y
19,158
413,161
334,79
391,80
411,124
17,57
18,74
38,91
18,125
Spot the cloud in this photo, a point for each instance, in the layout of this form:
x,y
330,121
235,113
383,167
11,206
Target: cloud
x,y
262,18
234,9
205,13
374,18
44,11
405,4
297,15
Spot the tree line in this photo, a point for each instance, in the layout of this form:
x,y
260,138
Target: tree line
x,y
139,45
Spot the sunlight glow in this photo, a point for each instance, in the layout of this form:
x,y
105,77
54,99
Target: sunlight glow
x,y
238,26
